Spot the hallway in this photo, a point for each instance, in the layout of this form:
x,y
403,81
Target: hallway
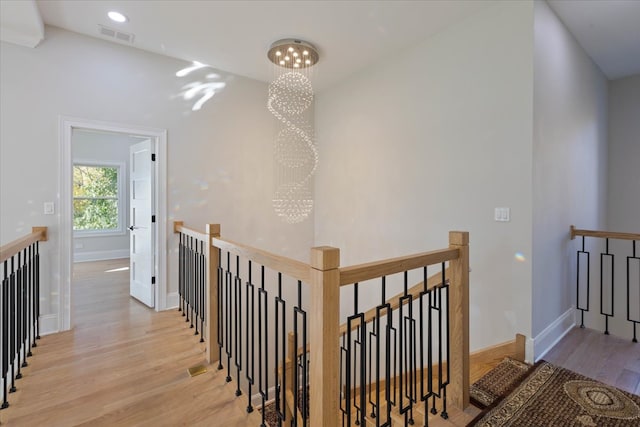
x,y
122,365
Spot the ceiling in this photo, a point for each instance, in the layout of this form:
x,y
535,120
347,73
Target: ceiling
x,y
609,30
234,36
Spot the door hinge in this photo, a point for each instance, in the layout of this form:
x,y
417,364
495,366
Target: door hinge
x,y
153,157
153,280
153,218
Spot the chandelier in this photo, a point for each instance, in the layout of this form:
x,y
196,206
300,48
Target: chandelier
x,y
296,156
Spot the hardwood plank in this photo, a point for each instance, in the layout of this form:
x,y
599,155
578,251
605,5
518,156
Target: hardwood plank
x,y
122,365
612,360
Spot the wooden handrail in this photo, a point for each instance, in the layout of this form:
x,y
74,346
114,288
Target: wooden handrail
x,y
603,234
290,267
179,227
394,302
38,234
372,270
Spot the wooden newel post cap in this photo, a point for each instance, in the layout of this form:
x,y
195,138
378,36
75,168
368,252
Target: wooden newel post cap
x,y
460,238
325,258
213,229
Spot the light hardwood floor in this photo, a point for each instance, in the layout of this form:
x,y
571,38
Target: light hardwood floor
x,y
122,365
612,360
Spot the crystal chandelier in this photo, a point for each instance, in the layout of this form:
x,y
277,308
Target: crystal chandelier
x,y
290,96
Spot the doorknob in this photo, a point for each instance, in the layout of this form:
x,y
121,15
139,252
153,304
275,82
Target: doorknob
x,y
132,228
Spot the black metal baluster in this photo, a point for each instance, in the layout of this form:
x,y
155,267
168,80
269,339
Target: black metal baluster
x,y
192,283
29,302
5,333
180,273
37,284
187,281
578,306
405,357
221,317
424,397
12,324
228,308
23,348
637,259
238,325
196,285
18,316
433,325
250,343
203,290
445,286
606,315
280,353
300,377
263,344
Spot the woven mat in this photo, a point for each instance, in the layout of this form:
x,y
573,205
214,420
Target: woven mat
x,y
554,396
498,382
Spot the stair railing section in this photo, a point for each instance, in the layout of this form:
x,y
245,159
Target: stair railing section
x,y
272,324
410,350
608,277
19,301
196,266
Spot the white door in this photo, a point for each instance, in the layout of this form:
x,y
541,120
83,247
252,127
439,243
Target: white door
x,y
141,229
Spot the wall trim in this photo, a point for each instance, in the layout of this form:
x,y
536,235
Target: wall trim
x,y
159,137
100,255
48,324
173,299
552,334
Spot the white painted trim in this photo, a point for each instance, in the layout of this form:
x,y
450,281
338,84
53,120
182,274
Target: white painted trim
x,y
159,136
48,324
173,298
553,333
100,255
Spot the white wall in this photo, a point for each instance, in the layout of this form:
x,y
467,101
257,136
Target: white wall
x,y
431,140
569,167
220,165
103,147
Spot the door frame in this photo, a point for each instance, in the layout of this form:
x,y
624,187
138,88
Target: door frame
x,y
65,221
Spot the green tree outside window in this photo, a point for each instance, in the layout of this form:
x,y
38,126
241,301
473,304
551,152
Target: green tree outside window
x,y
95,198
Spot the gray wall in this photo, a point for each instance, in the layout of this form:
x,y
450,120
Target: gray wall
x,y
569,167
624,189
432,140
624,155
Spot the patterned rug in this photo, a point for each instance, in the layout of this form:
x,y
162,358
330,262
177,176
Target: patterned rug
x,y
554,396
498,382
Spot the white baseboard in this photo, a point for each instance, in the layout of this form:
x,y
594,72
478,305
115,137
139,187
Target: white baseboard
x,y
553,333
172,301
48,324
100,255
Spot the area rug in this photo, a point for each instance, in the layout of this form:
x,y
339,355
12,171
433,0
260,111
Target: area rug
x,y
554,396
498,382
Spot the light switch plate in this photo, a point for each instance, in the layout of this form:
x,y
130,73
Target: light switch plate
x,y
502,214
48,208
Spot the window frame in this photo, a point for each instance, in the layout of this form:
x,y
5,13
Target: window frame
x,y
121,199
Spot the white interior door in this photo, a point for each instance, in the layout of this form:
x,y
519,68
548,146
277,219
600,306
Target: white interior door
x,y
141,229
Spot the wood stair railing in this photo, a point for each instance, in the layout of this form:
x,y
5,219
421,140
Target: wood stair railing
x,y
243,349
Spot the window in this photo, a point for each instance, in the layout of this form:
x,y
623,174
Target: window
x,y
98,206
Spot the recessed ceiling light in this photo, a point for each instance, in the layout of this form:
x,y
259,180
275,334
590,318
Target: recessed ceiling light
x,y
117,16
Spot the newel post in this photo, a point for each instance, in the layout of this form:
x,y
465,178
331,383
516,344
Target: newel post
x,y
211,295
459,318
324,381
